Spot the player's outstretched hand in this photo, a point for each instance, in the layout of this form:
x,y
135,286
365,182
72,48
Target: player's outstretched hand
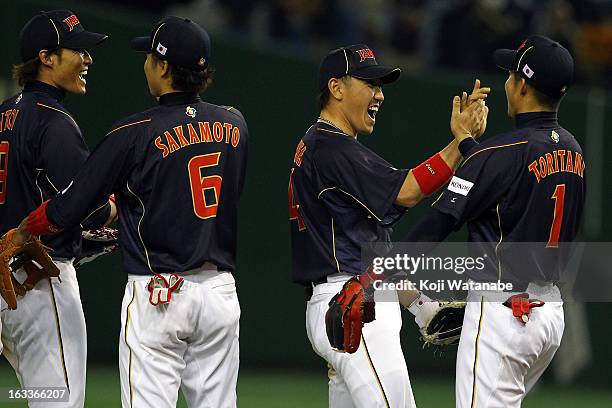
x,y
349,310
479,94
470,121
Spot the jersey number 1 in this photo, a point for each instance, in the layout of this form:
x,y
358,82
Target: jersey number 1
x,y
555,229
4,149
200,184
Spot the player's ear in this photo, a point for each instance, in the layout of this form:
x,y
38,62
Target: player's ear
x,y
336,88
46,57
164,67
523,87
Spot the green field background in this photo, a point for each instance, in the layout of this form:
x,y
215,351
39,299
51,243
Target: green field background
x,y
299,389
276,93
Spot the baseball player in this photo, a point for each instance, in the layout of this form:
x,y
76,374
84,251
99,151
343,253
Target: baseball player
x,y
41,150
523,186
341,194
177,171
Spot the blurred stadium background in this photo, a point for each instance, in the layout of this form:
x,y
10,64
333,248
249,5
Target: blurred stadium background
x,y
266,54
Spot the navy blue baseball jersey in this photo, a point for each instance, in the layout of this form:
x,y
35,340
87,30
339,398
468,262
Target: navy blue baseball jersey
x,y
177,171
523,186
41,150
341,196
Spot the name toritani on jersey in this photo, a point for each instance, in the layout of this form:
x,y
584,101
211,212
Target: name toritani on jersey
x,y
523,186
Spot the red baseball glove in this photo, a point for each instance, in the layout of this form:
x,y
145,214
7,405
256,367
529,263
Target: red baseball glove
x,y
349,310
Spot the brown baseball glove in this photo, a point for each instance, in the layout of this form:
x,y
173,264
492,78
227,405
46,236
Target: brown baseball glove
x,y
32,257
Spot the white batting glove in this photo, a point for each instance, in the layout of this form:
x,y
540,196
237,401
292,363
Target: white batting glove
x,y
423,308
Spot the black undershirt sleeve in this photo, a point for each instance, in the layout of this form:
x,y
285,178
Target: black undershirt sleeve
x,y
466,146
430,230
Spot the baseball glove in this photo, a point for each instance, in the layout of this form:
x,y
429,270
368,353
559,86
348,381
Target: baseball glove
x,y
96,243
349,310
444,327
34,259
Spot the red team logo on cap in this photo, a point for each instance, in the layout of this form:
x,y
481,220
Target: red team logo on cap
x,y
71,22
365,53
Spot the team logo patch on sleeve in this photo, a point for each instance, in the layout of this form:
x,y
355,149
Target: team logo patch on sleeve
x,y
460,186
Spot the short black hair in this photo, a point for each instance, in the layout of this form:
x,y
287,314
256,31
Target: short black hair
x,y
28,71
186,80
544,100
547,101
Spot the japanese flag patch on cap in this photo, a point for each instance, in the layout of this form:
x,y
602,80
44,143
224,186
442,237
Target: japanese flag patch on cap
x,y
161,49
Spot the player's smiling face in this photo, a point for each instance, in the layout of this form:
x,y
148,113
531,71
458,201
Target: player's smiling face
x,y
361,104
71,69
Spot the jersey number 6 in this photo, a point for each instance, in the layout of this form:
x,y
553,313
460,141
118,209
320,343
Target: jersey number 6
x,y
4,149
200,184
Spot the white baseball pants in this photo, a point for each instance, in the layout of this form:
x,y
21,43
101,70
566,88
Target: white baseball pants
x,y
376,374
191,343
45,339
500,359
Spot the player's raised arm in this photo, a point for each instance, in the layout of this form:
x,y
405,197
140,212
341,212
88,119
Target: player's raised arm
x,y
72,205
468,120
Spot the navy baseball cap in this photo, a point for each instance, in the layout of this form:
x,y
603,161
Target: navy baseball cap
x,y
180,41
545,64
52,29
357,61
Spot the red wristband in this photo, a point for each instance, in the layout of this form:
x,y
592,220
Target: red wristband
x,y
38,224
112,198
432,174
